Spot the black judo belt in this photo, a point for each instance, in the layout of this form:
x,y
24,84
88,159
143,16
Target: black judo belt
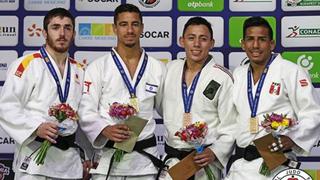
x,y
64,143
250,153
176,153
139,147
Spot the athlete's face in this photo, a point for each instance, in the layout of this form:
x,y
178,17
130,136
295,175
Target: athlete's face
x,y
197,42
257,44
128,29
60,34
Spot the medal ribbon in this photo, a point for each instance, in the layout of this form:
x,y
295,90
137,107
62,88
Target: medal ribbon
x,y
254,102
187,98
132,90
62,96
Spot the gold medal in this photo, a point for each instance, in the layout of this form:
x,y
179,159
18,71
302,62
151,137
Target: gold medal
x,y
187,119
254,125
134,102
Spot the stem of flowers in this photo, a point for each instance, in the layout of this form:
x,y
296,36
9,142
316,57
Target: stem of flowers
x,y
210,175
42,152
118,155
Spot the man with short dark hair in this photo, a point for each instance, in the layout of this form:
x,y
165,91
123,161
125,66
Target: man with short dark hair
x,y
34,83
126,75
198,89
270,84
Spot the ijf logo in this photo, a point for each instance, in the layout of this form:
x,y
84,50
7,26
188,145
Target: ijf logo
x,y
293,2
149,3
292,174
4,171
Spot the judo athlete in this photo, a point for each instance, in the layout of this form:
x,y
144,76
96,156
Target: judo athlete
x,y
270,84
198,89
126,75
34,83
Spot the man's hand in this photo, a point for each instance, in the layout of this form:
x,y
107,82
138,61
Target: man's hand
x,y
86,169
116,133
282,143
204,158
48,131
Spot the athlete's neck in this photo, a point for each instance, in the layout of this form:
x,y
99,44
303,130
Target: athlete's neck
x,y
59,58
131,57
195,66
129,54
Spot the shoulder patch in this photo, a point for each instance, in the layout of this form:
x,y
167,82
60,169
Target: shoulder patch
x,y
78,64
225,70
25,63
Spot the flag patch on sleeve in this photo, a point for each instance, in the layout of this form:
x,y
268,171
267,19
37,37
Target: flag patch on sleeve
x,y
151,88
25,63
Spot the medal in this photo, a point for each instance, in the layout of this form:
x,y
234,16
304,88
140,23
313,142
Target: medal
x,y
188,97
134,102
254,102
187,119
254,125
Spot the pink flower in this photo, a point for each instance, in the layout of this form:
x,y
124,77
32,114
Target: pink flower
x,y
121,111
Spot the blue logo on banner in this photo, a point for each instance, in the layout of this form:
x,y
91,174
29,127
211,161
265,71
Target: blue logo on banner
x,y
84,29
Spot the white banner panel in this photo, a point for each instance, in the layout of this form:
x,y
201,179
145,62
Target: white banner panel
x,y
6,58
152,5
7,144
32,31
236,59
97,5
300,5
45,5
157,32
300,31
9,30
94,31
164,57
86,57
252,5
217,27
9,5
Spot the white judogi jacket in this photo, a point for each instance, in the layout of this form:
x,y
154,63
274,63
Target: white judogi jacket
x,y
27,94
103,86
218,111
287,89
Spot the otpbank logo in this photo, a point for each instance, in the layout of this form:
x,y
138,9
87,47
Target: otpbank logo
x,y
236,30
309,60
300,31
201,5
95,31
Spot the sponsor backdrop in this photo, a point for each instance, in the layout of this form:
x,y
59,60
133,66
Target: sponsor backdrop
x,y
296,24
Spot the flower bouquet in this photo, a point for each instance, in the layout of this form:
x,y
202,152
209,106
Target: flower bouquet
x,y
121,112
275,124
194,134
66,117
